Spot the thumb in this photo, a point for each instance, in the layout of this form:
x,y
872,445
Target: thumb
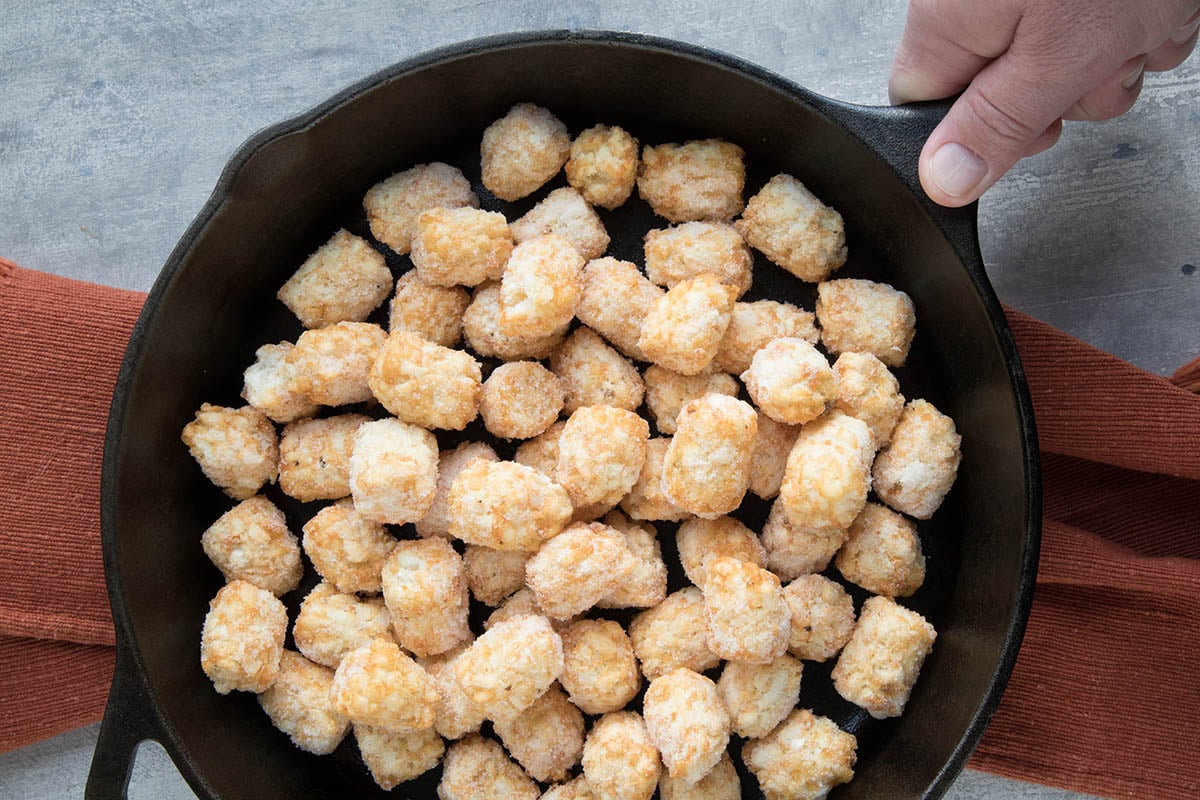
x,y
1001,116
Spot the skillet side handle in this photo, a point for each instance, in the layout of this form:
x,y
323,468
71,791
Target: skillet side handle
x,y
129,720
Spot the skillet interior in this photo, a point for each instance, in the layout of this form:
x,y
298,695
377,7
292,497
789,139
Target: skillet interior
x,y
215,304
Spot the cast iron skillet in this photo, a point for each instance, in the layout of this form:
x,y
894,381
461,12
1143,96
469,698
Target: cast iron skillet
x,y
290,187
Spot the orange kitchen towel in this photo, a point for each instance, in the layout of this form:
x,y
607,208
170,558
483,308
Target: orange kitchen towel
x,y
1104,693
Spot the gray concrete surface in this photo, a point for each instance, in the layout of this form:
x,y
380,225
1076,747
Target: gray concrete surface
x,y
117,117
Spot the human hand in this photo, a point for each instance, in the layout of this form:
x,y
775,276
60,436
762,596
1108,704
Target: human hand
x,y
1023,67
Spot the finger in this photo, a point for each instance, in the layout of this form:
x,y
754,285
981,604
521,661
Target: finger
x,y
1115,95
1048,139
1175,50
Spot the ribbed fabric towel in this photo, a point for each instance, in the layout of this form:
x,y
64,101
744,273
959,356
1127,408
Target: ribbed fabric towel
x,y
1105,693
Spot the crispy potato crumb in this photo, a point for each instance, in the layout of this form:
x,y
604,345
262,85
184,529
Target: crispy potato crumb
x,y
918,467
594,374
867,390
236,448
566,213
803,758
332,364
793,550
646,499
520,400
455,715
880,664
683,330
541,452
694,248
346,549
600,454
299,704
436,521
759,696
393,471
426,384
510,666
432,312
269,384
707,467
395,758
753,325
380,686
668,392
722,783
772,445
866,317
748,619
700,180
687,722
460,246
493,575
522,150
425,589
242,640
645,585
822,617
882,553
790,381
332,623
251,542
314,457
828,473
795,230
577,568
615,300
393,205
619,760
546,738
673,634
603,165
600,670
344,281
541,287
506,506
701,540
481,326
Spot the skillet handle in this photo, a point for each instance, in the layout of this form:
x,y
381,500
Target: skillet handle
x,y
129,720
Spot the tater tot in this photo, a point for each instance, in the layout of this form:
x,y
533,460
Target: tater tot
x,y
600,670
314,457
882,553
299,704
646,499
867,390
707,467
701,540
394,758
426,384
432,312
700,180
522,150
236,448
574,570
694,248
880,664
541,287
822,617
252,542
600,454
461,246
645,585
347,549
345,280
795,230
541,452
803,758
506,506
619,760
436,521
794,550
603,165
576,789
772,445
481,326
520,400
747,617
269,384
493,575
866,317
425,589
790,381
687,722
378,685
915,471
594,374
242,640
332,364
668,392
520,603
828,473
393,205
476,768
615,301
673,634
566,213
455,715
546,738
684,328
721,783
759,696
332,623
510,666
753,325
393,471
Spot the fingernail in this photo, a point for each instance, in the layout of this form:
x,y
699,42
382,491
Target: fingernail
x,y
1134,75
956,170
1185,33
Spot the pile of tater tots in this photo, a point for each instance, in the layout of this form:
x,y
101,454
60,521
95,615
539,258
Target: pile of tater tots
x,y
621,403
